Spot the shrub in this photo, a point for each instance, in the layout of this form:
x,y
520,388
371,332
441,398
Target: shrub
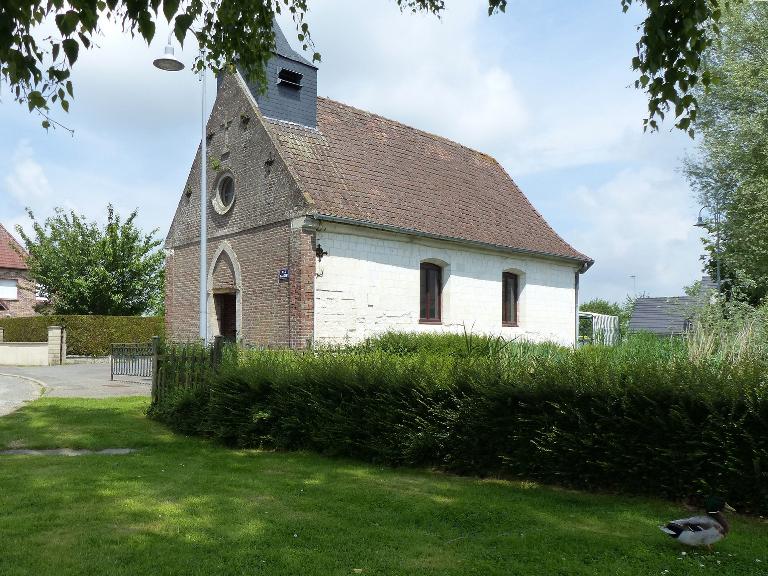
x,y
640,417
86,335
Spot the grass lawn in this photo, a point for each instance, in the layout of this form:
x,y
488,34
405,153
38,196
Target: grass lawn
x,y
183,506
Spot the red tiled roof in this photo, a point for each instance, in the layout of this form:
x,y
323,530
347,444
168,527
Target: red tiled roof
x,y
9,258
362,167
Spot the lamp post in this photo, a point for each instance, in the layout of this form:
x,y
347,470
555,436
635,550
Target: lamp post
x,y
701,223
169,63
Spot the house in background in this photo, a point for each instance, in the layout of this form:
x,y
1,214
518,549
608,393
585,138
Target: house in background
x,y
17,294
669,316
328,224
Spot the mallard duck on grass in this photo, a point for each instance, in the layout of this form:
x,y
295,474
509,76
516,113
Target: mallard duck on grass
x,y
701,530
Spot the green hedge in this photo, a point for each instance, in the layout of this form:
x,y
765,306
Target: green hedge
x,y
639,418
86,335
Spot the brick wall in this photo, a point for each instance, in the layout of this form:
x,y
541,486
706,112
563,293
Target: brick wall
x,y
273,313
257,230
302,284
223,275
369,283
24,305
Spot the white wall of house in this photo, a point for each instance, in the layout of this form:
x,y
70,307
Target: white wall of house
x,y
369,284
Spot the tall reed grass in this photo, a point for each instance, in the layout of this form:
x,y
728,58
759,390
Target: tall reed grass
x,y
731,334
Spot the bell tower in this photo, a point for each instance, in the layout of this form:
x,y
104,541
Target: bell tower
x,y
291,91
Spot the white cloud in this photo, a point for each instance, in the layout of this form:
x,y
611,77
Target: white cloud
x,y
27,180
82,187
637,223
426,72
19,220
483,82
558,142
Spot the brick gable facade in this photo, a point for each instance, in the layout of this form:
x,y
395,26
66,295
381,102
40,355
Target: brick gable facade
x,y
256,233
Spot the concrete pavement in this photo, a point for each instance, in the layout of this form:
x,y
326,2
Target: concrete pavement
x,y
19,384
14,392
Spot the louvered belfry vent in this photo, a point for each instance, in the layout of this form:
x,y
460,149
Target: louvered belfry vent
x,y
291,91
289,78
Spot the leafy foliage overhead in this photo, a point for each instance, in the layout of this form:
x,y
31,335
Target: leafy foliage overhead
x,y
83,269
674,35
730,170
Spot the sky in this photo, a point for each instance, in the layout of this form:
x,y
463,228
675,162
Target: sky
x,y
545,88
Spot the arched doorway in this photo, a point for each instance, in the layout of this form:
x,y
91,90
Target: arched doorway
x,y
225,294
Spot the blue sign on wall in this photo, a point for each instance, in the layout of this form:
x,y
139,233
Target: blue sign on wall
x,y
283,275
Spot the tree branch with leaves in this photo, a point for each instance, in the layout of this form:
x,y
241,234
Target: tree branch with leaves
x,y
674,35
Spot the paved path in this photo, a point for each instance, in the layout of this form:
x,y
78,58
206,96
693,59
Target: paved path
x,y
19,384
14,392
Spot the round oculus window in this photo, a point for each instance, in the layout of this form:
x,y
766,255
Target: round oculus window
x,y
225,195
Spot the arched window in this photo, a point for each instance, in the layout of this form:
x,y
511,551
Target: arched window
x,y
430,307
509,293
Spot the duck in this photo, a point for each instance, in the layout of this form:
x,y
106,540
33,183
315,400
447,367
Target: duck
x,y
701,530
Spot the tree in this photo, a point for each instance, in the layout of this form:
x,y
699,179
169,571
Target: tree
x,y
673,37
729,172
84,269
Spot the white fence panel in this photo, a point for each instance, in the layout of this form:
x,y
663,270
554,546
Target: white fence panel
x,y
605,328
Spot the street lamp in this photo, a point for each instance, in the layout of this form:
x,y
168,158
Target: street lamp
x,y
701,223
169,63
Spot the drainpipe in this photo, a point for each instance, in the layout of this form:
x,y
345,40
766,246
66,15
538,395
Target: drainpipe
x,y
576,299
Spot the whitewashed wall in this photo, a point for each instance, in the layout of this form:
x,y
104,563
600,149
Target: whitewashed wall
x,y
369,284
24,354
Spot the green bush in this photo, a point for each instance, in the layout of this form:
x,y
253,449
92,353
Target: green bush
x,y
86,335
640,417
456,345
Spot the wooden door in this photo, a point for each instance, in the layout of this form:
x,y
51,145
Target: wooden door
x,y
226,314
